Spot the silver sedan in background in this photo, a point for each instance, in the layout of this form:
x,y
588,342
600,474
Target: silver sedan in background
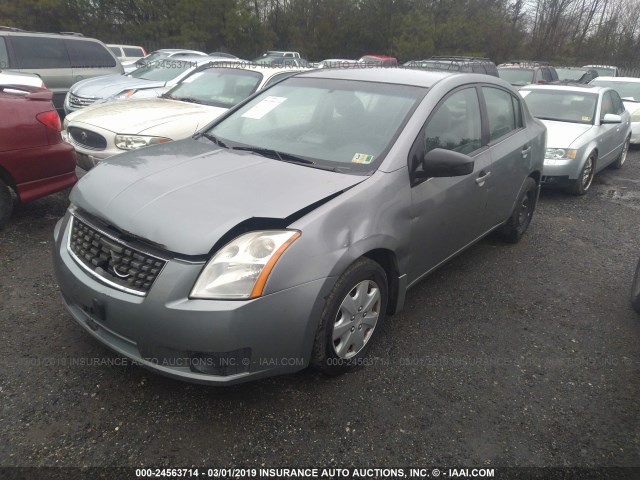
x,y
588,129
629,90
284,233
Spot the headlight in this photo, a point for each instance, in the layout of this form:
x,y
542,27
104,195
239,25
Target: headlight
x,y
240,269
560,153
635,116
131,142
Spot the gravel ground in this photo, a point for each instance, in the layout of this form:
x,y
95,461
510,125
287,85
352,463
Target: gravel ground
x,y
511,355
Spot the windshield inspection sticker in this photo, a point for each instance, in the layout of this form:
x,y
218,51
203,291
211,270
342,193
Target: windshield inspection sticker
x,y
586,119
362,158
262,108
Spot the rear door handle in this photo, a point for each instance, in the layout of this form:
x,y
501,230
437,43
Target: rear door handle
x,y
483,177
525,151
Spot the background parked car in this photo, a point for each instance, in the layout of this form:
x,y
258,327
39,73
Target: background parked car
x,y
127,53
150,80
524,72
604,70
576,74
588,129
163,54
60,60
629,90
456,64
8,77
334,63
104,130
378,61
202,255
34,161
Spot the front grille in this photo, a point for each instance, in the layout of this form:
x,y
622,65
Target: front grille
x,y
115,262
80,102
87,138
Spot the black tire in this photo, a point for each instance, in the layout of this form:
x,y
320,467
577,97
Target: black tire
x,y
635,290
623,155
521,216
6,204
581,184
324,356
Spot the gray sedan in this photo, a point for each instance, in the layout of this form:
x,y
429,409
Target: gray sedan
x,y
284,233
588,128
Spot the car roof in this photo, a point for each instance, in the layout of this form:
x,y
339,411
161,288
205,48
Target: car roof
x,y
619,79
601,66
582,88
124,46
399,76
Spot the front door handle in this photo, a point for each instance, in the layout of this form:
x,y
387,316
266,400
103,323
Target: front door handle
x,y
483,177
525,151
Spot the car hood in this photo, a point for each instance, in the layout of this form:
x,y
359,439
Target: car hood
x,y
564,134
109,85
186,195
153,116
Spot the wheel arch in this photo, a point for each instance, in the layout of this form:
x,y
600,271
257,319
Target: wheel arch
x,y
388,261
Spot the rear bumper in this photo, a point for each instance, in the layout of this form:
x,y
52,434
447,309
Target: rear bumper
x,y
40,171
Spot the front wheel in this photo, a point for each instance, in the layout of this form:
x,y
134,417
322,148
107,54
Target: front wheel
x,y
6,203
581,184
623,155
353,312
520,219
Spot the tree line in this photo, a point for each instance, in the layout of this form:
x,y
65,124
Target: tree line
x,y
561,31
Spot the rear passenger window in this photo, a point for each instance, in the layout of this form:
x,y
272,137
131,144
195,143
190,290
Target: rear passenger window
x,y
503,111
4,57
88,54
115,51
546,75
133,52
40,52
456,124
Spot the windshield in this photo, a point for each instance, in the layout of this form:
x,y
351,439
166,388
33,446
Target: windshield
x,y
563,106
341,124
570,74
371,60
163,70
604,71
220,87
516,76
628,91
153,57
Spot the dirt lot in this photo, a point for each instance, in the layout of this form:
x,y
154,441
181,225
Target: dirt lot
x,y
524,355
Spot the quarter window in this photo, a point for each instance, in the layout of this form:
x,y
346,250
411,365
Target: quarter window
x,y
456,124
4,57
503,115
88,54
40,52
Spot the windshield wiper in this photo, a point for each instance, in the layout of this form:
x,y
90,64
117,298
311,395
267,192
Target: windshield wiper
x,y
215,140
284,157
187,99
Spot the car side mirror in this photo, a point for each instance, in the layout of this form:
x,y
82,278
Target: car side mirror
x,y
611,118
445,163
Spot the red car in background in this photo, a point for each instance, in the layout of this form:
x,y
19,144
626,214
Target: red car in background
x,y
34,161
379,61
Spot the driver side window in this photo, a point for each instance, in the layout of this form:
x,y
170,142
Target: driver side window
x,y
456,124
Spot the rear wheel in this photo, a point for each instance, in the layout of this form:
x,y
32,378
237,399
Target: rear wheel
x,y
623,155
520,219
353,312
6,203
583,182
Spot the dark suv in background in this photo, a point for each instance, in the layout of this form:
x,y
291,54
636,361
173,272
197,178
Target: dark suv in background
x,y
456,64
526,72
59,59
